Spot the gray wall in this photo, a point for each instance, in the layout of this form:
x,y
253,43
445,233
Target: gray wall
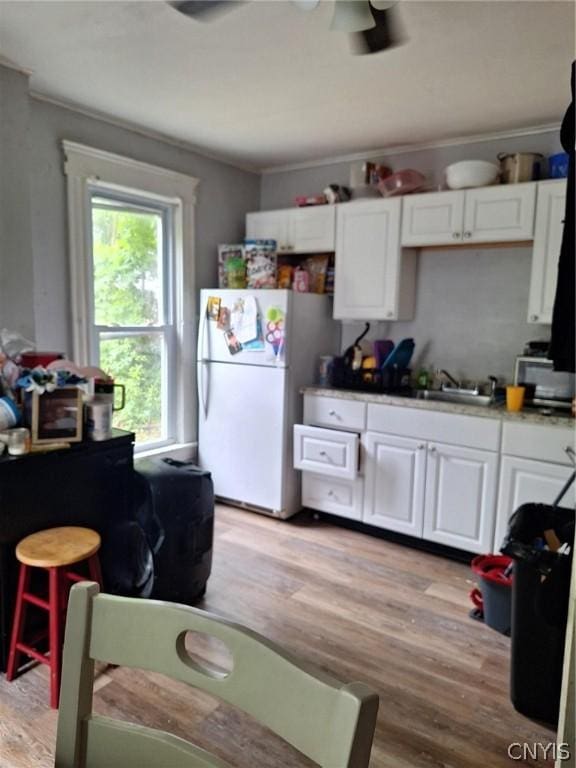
x,y
280,188
225,194
16,264
471,305
471,308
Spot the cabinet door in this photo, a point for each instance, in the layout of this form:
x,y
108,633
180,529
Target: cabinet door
x,y
368,268
268,225
433,219
498,214
394,481
460,502
312,230
550,211
523,481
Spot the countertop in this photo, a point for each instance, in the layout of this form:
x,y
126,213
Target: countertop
x,y
529,416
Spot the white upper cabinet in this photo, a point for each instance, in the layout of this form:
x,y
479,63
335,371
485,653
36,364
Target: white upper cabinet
x,y
550,211
501,213
268,225
374,280
485,215
433,219
296,230
312,230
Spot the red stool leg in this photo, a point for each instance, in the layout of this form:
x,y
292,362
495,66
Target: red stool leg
x,y
55,634
19,619
94,570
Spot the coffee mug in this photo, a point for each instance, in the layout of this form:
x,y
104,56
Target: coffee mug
x,y
104,393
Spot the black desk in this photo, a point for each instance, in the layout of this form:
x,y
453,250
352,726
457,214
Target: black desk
x,y
88,484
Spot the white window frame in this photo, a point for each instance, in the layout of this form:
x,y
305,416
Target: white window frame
x,y
90,170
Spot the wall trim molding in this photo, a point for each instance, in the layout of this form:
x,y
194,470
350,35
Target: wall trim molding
x,y
147,133
373,154
79,158
9,64
400,149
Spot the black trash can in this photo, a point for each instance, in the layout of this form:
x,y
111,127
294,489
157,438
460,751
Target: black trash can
x,y
540,591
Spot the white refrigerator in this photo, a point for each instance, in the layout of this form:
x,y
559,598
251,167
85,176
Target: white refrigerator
x,y
256,349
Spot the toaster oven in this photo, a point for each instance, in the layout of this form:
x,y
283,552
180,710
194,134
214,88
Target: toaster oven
x,y
544,386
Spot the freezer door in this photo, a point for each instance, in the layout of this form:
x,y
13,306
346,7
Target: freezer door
x,y
231,342
242,432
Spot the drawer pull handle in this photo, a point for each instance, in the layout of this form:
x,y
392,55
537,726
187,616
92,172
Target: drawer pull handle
x,y
421,447
323,453
432,449
330,493
332,413
467,235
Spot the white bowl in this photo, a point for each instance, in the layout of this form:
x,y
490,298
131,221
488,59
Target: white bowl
x,y
471,173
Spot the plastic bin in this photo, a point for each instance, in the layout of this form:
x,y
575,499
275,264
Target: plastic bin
x,y
541,585
558,166
494,598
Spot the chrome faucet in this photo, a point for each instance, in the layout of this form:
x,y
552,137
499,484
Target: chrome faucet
x,y
451,379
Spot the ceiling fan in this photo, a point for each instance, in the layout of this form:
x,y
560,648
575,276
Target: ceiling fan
x,y
372,23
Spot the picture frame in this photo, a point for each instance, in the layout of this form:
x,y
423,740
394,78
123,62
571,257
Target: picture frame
x,y
57,417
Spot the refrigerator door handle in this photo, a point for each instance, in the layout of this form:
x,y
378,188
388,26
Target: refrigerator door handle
x,y
201,363
200,380
202,334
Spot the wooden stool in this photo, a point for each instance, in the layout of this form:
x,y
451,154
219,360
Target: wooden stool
x,y
53,549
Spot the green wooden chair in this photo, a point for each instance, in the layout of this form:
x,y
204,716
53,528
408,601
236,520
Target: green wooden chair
x,y
331,723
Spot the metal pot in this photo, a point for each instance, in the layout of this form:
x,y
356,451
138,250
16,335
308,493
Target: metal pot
x,y
520,166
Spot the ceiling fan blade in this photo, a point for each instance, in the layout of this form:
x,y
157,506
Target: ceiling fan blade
x,y
205,10
387,33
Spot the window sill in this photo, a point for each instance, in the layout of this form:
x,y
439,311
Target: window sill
x,y
179,451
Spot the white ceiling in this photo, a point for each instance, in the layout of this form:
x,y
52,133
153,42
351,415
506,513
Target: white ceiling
x,y
269,84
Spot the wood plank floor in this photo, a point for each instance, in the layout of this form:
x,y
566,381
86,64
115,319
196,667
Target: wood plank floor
x,y
361,608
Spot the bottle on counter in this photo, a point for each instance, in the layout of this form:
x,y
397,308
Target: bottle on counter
x,y
423,379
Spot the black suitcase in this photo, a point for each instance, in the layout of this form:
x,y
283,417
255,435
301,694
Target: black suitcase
x,y
174,506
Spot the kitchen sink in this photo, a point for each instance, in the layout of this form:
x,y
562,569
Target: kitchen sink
x,y
464,398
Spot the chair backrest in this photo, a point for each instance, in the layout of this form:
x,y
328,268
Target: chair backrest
x,y
329,722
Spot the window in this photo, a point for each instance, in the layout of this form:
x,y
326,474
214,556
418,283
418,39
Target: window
x,y
134,333
132,287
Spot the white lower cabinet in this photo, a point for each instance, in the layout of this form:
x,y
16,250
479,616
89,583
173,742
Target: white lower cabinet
x,y
460,500
329,494
395,470
443,493
456,484
523,481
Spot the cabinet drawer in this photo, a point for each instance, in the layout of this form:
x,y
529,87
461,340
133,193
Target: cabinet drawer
x,y
471,431
326,451
335,412
537,441
327,494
